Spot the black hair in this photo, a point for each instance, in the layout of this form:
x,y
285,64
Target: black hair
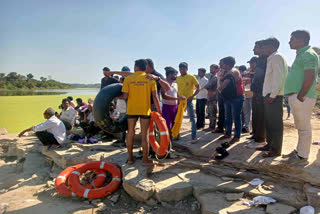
x,y
259,43
242,68
79,100
302,34
274,42
170,70
150,63
106,69
183,64
215,66
202,70
122,78
65,99
141,63
229,60
70,98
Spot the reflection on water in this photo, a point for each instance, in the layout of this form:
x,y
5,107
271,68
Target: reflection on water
x,y
91,91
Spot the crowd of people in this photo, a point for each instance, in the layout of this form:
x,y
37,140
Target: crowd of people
x,y
250,99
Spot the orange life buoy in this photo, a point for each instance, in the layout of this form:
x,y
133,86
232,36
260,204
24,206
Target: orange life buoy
x,y
60,183
161,149
99,192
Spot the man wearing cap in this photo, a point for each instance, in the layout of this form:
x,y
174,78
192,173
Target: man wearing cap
x,y
212,97
202,97
107,80
301,88
51,133
258,70
186,85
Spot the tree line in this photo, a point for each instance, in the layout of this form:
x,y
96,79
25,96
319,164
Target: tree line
x,y
14,80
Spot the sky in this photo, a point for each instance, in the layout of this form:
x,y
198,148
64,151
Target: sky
x,y
72,41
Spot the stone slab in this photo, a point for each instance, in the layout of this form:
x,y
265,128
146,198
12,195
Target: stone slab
x,y
278,208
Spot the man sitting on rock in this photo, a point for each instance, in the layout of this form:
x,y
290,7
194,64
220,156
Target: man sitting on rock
x,y
51,133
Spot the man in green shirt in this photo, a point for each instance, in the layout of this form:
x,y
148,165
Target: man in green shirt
x,y
300,87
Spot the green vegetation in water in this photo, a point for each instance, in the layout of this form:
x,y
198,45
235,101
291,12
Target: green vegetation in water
x,y
20,112
14,81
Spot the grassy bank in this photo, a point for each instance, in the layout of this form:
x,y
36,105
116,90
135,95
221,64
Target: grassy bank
x,y
21,112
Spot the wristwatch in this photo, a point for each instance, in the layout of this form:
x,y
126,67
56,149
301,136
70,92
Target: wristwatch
x,y
158,79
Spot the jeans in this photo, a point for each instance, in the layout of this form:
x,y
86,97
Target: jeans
x,y
233,109
247,107
258,126
212,112
192,118
201,112
221,116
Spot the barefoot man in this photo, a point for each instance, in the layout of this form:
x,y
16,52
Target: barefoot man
x,y
138,90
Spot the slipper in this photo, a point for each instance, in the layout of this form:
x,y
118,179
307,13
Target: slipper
x,y
131,162
151,163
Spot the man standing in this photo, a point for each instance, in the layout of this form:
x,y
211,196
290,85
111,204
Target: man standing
x,y
170,98
138,90
258,68
212,97
186,85
247,104
201,98
273,89
51,133
221,118
107,80
300,87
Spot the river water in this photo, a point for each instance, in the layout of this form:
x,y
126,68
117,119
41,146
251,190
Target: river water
x,y
85,91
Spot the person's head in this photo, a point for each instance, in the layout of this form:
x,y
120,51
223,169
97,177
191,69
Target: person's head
x,y
112,107
171,73
299,39
116,77
49,112
227,63
150,66
257,47
121,79
90,107
140,65
105,69
79,101
65,103
201,72
125,68
70,98
242,68
253,62
90,100
214,69
183,68
270,46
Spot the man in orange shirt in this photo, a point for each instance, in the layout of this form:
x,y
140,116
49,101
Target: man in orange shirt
x,y
138,90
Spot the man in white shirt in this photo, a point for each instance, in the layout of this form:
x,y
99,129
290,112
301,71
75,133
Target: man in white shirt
x,y
51,133
68,114
202,97
273,90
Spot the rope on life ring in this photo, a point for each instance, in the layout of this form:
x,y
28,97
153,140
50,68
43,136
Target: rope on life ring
x,y
163,149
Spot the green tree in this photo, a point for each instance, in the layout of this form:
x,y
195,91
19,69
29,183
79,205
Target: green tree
x,y
29,76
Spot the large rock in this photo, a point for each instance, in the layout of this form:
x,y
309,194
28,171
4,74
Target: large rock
x,y
12,148
136,183
313,195
170,187
278,208
215,203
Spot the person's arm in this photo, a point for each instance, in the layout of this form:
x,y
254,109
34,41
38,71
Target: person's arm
x,y
156,101
309,77
223,84
164,84
195,93
168,97
120,73
24,131
123,96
